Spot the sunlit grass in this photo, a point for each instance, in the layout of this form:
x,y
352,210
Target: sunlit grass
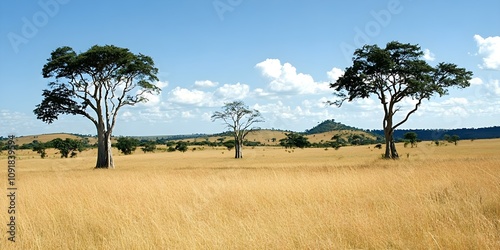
x,y
444,197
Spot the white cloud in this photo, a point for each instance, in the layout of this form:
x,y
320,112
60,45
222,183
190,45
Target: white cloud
x,y
429,56
225,93
476,81
205,84
233,92
335,74
489,49
270,68
206,117
262,93
312,110
285,79
456,101
191,97
161,84
493,87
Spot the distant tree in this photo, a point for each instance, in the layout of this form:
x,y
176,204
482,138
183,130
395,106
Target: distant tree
x,y
2,144
96,84
238,118
39,148
229,144
127,145
181,146
149,146
393,74
411,137
294,140
67,147
452,139
221,140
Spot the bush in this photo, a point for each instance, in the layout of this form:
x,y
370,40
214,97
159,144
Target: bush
x,y
127,145
181,146
149,147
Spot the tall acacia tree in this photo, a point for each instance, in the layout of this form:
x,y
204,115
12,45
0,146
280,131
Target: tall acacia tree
x,y
96,84
238,118
392,74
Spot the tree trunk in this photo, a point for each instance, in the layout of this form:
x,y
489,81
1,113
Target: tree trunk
x,y
390,146
238,146
104,153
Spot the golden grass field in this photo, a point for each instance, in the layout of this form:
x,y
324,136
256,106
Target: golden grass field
x,y
445,197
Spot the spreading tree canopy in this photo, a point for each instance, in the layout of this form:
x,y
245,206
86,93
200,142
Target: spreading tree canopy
x,y
96,84
392,74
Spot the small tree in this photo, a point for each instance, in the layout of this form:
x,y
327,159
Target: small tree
x,y
452,139
229,144
181,146
411,137
393,74
39,148
238,118
127,145
67,147
149,146
294,140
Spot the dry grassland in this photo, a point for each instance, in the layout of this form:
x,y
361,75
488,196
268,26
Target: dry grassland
x,y
445,197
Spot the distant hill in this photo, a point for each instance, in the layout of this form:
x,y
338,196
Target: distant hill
x,y
49,137
328,126
437,134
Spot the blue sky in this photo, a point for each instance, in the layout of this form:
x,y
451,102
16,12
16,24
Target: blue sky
x,y
277,56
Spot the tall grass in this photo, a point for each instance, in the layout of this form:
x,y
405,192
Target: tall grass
x,y
443,197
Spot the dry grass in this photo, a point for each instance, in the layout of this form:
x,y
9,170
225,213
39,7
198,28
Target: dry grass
x,y
443,197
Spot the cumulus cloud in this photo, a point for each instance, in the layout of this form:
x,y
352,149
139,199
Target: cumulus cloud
x,y
233,92
205,84
258,92
476,81
161,84
195,97
489,49
191,97
285,79
335,74
278,111
493,87
429,56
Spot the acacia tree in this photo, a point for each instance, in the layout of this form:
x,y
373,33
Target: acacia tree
x,y
96,84
411,137
392,74
238,118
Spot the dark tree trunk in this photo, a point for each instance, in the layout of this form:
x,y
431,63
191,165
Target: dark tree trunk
x,y
238,146
104,153
390,146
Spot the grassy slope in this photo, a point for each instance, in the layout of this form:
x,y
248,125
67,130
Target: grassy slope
x,y
439,197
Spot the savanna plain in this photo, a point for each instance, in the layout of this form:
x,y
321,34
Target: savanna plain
x,y
434,197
